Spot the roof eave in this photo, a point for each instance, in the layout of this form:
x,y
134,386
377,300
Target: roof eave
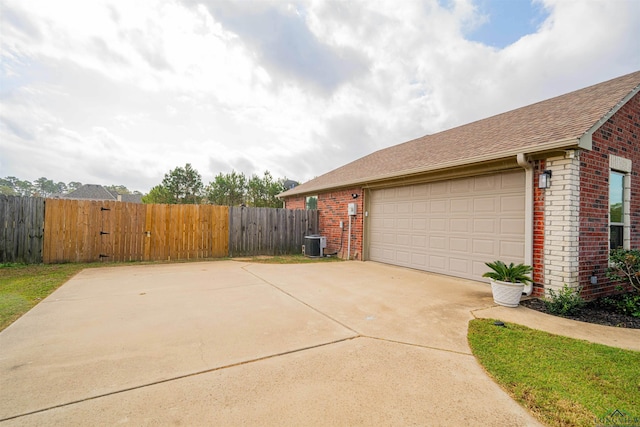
x,y
562,144
586,140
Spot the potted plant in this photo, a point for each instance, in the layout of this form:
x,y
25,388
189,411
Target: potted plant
x,y
507,282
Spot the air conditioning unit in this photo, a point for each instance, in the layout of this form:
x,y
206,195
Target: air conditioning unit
x,y
314,245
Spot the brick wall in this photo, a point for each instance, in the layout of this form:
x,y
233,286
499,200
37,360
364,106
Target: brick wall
x,y
295,202
333,209
618,136
538,230
562,222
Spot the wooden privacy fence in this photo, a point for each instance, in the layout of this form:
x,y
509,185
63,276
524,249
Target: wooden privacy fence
x,y
268,231
34,230
21,225
89,230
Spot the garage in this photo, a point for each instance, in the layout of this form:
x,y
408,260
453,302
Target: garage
x,y
450,227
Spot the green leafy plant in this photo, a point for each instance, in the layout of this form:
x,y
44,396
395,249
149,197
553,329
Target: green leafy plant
x,y
630,304
565,302
508,273
626,303
625,267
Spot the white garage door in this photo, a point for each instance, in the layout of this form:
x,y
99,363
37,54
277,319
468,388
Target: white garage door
x,y
450,227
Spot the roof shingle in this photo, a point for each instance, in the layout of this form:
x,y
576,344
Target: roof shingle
x,y
91,191
560,120
98,192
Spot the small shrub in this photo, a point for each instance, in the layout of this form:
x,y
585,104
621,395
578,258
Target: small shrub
x,y
566,302
628,303
625,267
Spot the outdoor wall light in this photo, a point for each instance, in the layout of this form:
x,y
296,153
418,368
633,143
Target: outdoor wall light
x,y
354,195
544,180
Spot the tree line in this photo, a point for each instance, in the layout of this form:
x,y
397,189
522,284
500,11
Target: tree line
x,y
183,185
44,187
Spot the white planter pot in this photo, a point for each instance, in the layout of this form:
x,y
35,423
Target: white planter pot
x,y
506,293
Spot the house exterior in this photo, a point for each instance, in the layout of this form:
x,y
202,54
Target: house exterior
x,y
98,192
289,184
449,202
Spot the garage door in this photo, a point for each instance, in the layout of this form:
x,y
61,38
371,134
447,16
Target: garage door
x,y
450,227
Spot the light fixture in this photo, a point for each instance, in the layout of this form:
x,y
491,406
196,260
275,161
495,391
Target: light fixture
x,y
354,195
544,180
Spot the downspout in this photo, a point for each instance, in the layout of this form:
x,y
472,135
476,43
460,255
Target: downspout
x,y
528,215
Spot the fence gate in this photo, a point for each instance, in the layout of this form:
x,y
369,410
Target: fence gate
x,y
90,230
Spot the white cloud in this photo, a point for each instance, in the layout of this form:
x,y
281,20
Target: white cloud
x,y
121,92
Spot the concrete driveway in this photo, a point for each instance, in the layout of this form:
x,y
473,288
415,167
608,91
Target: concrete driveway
x,y
232,343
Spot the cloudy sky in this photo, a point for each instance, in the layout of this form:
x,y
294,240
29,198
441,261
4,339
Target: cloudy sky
x,y
121,92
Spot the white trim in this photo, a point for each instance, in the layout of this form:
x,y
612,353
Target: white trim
x,y
623,166
528,214
620,164
626,206
586,140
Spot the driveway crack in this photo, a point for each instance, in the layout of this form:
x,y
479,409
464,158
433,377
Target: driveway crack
x,y
179,377
418,345
302,302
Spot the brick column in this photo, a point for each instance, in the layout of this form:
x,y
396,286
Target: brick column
x,y
562,222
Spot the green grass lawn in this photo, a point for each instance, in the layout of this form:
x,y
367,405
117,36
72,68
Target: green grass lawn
x,y
23,286
287,259
562,381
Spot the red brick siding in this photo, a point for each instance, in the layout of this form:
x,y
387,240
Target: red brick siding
x,y
618,136
333,209
538,230
295,203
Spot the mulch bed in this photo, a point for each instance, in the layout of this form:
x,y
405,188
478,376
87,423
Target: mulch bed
x,y
592,312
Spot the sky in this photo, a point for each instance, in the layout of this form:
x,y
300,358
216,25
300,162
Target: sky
x,y
119,92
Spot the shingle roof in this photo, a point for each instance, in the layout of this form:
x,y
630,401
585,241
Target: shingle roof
x,y
91,191
131,198
554,123
98,192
